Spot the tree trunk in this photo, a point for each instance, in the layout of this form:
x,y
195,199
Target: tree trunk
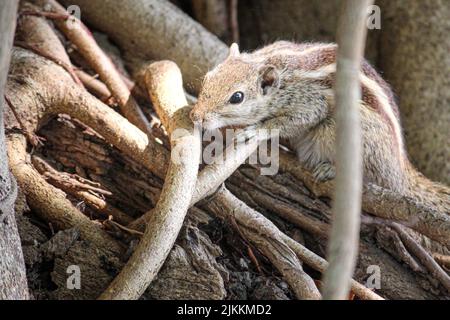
x,y
12,268
414,52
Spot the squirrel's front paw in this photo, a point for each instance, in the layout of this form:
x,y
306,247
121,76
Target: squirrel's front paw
x,y
324,172
246,134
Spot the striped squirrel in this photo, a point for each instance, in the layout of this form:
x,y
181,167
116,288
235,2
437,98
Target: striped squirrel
x,y
288,86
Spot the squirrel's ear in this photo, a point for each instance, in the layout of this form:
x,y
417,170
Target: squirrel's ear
x,y
234,51
269,79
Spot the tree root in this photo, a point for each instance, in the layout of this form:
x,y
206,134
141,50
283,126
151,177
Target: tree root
x,y
168,216
50,203
266,238
76,32
422,255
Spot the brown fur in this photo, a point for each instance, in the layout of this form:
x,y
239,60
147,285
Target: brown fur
x,y
300,103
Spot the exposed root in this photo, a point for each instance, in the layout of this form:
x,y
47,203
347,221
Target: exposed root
x,y
168,216
419,252
50,203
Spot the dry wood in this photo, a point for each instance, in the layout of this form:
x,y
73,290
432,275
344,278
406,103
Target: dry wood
x,y
267,239
378,201
423,256
65,98
382,203
81,191
398,281
95,86
256,227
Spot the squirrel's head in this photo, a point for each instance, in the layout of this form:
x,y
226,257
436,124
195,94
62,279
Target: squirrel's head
x,y
235,92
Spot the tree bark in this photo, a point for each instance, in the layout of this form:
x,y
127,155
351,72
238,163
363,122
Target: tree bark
x,y
13,282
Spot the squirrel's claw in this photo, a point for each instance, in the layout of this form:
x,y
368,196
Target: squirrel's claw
x,y
324,171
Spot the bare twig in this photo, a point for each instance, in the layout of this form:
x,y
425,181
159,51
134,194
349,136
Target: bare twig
x,y
51,57
79,190
32,138
343,242
95,86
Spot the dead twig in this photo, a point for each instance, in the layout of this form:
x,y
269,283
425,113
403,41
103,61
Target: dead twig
x,y
49,56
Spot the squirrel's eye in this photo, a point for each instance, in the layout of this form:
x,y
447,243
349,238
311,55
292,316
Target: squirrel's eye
x,y
237,97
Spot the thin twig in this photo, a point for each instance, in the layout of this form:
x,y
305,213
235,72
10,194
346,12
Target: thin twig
x,y
49,56
32,138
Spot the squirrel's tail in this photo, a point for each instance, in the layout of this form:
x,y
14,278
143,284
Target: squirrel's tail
x,y
432,194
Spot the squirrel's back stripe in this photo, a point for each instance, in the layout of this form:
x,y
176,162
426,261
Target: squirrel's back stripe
x,y
373,94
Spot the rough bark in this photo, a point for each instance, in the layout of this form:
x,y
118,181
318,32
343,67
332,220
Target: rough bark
x,y
77,33
414,48
13,282
266,238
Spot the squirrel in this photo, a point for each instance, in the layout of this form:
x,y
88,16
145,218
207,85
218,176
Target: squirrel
x,y
289,86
